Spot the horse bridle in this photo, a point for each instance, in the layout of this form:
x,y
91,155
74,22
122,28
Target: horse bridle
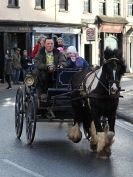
x,y
110,81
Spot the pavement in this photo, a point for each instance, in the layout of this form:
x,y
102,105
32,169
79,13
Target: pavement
x,y
125,108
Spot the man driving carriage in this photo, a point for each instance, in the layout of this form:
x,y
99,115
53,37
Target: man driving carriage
x,y
45,63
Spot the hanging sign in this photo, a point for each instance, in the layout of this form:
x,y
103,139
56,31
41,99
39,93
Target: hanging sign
x,y
90,34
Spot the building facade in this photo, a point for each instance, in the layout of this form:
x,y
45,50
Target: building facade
x,y
90,25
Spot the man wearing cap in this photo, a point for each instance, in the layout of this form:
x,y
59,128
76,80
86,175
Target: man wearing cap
x,y
16,60
45,63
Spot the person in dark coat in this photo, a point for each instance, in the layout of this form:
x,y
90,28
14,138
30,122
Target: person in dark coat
x,y
8,68
45,63
24,62
16,65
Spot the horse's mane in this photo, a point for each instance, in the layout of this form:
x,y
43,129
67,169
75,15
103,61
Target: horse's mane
x,y
109,53
116,53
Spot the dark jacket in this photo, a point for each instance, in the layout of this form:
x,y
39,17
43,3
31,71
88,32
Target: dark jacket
x,y
79,63
40,59
8,65
24,62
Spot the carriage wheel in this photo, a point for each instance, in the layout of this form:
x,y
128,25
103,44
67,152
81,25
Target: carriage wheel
x,y
19,112
30,120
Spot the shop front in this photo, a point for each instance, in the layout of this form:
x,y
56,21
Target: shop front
x,y
13,36
110,33
70,35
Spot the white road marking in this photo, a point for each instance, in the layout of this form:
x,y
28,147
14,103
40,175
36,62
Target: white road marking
x,y
126,79
125,126
21,168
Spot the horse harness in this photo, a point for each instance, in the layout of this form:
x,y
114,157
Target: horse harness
x,y
86,92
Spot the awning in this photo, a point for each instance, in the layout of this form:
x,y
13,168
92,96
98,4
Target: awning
x,y
111,24
113,20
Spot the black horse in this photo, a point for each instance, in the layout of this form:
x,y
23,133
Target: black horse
x,y
95,101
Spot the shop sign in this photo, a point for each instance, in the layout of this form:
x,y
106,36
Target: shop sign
x,y
111,28
90,34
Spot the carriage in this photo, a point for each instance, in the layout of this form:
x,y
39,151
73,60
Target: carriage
x,y
88,97
56,108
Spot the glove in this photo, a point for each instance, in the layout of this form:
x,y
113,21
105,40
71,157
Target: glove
x,y
51,68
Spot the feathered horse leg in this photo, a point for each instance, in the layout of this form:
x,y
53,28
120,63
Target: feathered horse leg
x,y
74,133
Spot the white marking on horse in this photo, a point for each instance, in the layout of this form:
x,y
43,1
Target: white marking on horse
x,y
114,86
94,79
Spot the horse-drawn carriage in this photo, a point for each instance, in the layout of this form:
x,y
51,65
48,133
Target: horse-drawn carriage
x,y
91,99
55,108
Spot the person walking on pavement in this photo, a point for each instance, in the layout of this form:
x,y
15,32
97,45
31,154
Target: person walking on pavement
x,y
24,63
8,68
16,65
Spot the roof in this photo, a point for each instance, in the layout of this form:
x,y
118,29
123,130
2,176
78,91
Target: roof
x,y
114,20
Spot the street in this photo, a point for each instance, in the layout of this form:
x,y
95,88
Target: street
x,y
53,155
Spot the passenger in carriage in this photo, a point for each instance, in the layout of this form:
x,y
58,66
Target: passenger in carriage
x,y
74,60
40,43
46,61
59,42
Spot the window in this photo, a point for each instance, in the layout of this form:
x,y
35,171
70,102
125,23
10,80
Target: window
x,y
13,3
63,5
40,4
116,7
102,7
88,6
130,7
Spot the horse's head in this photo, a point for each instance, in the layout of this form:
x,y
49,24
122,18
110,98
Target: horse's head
x,y
113,68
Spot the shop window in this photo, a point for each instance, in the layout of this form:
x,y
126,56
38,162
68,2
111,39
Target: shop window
x,y
116,7
88,6
102,7
63,5
40,4
13,3
130,7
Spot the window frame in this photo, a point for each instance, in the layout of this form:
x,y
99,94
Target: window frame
x,y
117,8
102,7
63,6
41,5
130,8
13,4
87,6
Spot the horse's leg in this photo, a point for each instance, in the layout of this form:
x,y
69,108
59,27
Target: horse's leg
x,y
98,135
110,134
74,132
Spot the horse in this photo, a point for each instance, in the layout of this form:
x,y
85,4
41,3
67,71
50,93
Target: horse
x,y
95,99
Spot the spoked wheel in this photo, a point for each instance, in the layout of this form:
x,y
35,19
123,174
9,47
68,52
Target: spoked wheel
x,y
19,112
30,120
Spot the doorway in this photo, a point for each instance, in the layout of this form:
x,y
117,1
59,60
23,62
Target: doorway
x,y
88,53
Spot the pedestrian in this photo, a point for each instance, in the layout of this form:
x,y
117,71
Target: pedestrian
x,y
45,63
25,60
8,68
40,43
16,65
74,60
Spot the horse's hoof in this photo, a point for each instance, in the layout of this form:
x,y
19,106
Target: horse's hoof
x,y
93,147
102,155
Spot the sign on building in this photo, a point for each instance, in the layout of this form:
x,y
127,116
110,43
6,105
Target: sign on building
x,y
90,34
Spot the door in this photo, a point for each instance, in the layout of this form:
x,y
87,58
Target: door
x,y
88,53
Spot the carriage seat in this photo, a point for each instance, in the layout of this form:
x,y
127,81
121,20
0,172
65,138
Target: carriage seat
x,y
62,79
